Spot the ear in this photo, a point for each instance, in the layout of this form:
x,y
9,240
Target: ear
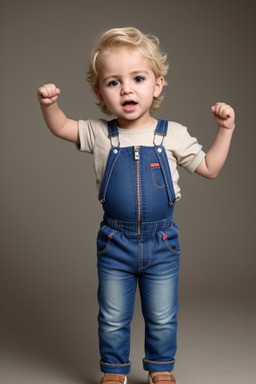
x,y
159,86
99,95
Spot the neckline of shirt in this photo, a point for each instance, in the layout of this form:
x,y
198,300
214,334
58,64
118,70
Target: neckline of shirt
x,y
135,131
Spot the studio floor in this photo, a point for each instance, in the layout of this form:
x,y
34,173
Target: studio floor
x,y
56,342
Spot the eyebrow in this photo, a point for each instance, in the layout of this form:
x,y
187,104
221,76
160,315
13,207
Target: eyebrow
x,y
137,72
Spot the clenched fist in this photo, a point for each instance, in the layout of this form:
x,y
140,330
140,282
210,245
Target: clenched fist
x,y
48,94
224,115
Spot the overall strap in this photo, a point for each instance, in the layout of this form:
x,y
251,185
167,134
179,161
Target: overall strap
x,y
161,129
113,131
112,158
165,167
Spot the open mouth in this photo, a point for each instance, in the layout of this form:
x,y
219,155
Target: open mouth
x,y
129,102
129,106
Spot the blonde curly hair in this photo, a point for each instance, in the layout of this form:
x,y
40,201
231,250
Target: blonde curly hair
x,y
147,46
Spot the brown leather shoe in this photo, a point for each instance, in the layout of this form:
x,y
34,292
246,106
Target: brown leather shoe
x,y
113,378
162,378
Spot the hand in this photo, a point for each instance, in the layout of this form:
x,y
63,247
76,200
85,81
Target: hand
x,y
48,94
224,115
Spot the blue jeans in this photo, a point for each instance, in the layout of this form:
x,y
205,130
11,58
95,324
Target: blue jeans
x,y
152,260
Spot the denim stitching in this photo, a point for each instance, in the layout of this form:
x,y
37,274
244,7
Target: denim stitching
x,y
109,175
154,178
175,229
168,244
139,256
165,177
150,254
159,362
149,259
170,248
157,227
104,250
115,365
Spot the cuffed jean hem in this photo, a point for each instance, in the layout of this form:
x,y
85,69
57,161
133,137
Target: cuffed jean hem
x,y
158,366
115,368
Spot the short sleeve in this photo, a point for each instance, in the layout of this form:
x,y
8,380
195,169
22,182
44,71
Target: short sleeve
x,y
190,153
87,130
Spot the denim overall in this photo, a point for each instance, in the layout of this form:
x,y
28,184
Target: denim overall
x,y
138,243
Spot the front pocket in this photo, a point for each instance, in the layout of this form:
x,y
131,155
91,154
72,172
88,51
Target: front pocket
x,y
171,239
104,239
157,175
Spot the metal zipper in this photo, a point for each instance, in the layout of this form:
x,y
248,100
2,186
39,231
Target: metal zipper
x,y
137,159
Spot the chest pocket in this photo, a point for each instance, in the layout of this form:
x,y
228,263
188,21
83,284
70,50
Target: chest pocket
x,y
157,175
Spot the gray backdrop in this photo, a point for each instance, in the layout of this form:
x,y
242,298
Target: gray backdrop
x,y
49,208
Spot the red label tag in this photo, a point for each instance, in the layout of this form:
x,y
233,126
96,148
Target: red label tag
x,y
154,165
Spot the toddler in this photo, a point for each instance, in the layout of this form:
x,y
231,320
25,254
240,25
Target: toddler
x,y
136,159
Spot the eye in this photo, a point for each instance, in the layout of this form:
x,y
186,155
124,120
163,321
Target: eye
x,y
113,83
139,79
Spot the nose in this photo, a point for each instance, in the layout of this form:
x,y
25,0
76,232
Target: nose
x,y
126,88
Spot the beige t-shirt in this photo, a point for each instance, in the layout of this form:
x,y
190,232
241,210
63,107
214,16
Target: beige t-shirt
x,y
181,148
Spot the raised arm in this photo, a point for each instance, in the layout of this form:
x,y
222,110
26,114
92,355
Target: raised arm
x,y
217,154
55,119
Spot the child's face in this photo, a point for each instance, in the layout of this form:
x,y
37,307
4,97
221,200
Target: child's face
x,y
127,86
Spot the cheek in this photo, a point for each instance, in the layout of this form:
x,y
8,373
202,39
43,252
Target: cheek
x,y
109,97
110,101
100,96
